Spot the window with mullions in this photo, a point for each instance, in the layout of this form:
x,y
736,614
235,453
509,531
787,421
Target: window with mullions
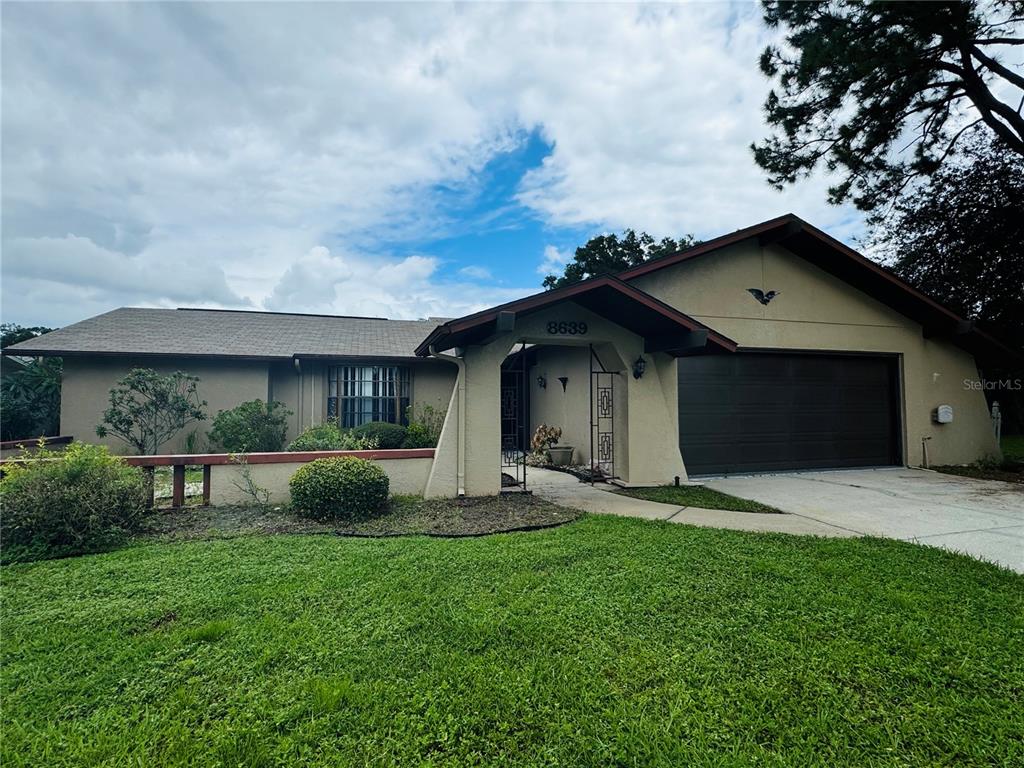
x,y
357,394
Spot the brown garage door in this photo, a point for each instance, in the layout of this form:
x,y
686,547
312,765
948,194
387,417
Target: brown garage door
x,y
758,412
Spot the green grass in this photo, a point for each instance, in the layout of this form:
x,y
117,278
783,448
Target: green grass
x,y
1013,448
697,496
607,641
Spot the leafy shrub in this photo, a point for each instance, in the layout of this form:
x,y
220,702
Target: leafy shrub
x,y
544,438
387,435
329,437
343,488
251,427
424,428
417,436
68,503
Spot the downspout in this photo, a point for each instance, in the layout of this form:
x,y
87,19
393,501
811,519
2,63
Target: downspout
x,y
298,395
460,463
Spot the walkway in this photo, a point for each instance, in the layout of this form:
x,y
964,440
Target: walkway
x,y
566,490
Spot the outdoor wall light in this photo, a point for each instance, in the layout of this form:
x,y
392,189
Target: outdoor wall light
x,y
639,367
564,380
542,382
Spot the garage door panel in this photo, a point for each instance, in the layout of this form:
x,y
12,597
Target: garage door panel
x,y
762,412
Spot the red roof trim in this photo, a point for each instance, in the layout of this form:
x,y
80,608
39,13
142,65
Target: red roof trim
x,y
546,298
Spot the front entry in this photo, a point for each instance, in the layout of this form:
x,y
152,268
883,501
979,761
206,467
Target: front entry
x,y
762,411
515,424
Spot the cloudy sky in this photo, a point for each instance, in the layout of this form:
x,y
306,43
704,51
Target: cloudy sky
x,y
370,159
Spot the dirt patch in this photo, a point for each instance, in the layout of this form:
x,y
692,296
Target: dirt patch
x,y
406,516
1009,472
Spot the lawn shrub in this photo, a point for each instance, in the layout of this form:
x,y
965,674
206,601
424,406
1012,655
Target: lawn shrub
x,y
424,428
252,427
80,500
329,437
387,435
343,488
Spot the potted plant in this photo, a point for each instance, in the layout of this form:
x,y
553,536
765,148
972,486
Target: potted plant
x,y
544,442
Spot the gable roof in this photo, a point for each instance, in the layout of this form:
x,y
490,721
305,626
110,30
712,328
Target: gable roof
x,y
607,296
825,252
228,333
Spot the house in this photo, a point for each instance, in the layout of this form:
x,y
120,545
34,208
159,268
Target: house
x,y
772,348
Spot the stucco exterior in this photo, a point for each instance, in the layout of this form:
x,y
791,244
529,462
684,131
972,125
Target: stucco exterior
x,y
817,311
86,385
646,451
223,384
406,476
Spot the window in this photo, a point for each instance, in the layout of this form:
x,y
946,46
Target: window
x,y
357,394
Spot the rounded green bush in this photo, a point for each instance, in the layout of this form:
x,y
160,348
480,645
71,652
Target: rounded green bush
x,y
343,488
387,435
58,504
330,437
251,427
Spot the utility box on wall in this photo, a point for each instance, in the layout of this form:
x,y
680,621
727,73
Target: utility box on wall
x,y
943,414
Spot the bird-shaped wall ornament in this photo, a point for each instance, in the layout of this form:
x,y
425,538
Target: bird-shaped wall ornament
x,y
761,296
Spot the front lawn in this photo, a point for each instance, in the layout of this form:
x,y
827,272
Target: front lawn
x,y
605,641
697,496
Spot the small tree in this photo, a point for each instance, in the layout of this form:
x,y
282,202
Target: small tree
x,y
251,427
147,409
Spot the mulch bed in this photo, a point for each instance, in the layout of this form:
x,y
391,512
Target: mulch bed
x,y
1008,473
407,516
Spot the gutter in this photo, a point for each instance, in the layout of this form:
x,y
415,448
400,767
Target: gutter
x,y
460,464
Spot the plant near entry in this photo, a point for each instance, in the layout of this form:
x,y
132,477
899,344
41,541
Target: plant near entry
x,y
343,488
424,428
543,438
252,427
147,409
386,434
80,500
257,495
330,437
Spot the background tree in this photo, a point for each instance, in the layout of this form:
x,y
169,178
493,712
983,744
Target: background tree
x,y
959,238
608,254
858,80
147,409
12,333
30,391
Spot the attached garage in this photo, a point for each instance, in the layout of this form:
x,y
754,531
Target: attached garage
x,y
768,411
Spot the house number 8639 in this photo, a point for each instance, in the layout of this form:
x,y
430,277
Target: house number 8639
x,y
567,328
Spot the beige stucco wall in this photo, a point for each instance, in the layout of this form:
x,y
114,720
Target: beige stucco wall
x,y
645,451
406,476
569,410
86,385
816,311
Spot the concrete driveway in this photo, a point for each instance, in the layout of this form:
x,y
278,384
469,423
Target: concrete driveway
x,y
983,518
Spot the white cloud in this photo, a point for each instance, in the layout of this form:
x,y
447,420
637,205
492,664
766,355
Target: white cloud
x,y
209,152
476,272
554,261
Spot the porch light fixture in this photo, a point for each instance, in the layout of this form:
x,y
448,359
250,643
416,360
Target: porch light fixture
x,y
542,382
564,380
639,367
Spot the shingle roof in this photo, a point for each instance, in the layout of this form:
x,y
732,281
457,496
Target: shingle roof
x,y
226,333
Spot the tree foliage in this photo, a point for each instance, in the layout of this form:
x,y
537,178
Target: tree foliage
x,y
609,254
861,82
147,409
30,392
12,333
30,398
959,238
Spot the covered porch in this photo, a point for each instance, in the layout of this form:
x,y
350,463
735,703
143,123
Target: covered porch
x,y
615,347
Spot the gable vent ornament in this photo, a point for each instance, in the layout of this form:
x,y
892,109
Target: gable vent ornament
x,y
761,296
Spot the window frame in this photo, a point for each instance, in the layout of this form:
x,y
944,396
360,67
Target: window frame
x,y
361,392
